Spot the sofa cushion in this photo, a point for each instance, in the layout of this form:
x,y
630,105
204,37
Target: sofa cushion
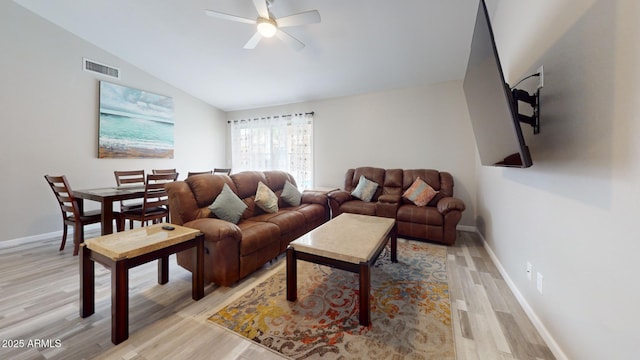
x,y
313,213
419,193
365,189
292,225
290,194
266,199
358,207
228,206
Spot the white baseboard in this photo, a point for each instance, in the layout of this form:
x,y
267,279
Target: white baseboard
x,y
467,228
548,339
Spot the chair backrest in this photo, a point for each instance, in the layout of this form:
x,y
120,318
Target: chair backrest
x,y
222,171
163,171
129,177
191,173
64,195
155,194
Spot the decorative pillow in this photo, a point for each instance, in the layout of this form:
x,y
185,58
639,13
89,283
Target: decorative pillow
x,y
290,194
419,193
365,189
228,206
266,199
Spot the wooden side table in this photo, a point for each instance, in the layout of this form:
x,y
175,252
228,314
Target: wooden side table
x,y
125,250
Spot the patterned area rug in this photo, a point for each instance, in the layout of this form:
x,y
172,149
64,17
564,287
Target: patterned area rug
x,y
410,310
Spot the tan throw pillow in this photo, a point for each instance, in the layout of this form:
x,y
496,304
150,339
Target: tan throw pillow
x,y
419,193
365,189
266,199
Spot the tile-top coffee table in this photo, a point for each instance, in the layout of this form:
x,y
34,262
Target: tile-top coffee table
x,y
350,242
124,250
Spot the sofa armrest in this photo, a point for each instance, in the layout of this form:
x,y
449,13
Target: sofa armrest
x,y
448,204
336,199
314,197
387,205
222,250
339,196
215,230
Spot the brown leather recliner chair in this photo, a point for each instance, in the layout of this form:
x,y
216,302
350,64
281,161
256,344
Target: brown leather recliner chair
x,y
435,222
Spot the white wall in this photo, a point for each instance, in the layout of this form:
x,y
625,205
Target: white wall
x,y
49,110
573,215
425,127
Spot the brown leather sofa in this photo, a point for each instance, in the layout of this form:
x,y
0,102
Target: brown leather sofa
x,y
234,251
435,222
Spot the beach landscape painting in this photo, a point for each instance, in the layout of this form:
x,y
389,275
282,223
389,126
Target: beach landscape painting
x,y
134,123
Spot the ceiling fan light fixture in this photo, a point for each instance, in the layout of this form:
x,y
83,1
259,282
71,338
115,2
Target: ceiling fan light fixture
x,y
267,27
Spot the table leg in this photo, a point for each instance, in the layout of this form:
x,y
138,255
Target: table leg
x,y
119,302
107,217
292,275
87,282
197,286
163,270
365,287
394,244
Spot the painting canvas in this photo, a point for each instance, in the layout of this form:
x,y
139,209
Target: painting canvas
x,y
134,123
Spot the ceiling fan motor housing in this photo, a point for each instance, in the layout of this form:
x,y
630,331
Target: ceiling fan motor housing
x,y
267,27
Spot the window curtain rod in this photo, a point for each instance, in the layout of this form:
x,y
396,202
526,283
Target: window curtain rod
x,y
269,117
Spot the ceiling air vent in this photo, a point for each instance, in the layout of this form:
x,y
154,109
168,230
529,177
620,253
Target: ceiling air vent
x,y
96,67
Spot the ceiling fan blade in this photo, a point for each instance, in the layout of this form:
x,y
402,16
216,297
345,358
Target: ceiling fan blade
x,y
261,6
219,15
255,39
290,40
303,18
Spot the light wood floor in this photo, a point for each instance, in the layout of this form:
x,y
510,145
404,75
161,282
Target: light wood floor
x,y
39,302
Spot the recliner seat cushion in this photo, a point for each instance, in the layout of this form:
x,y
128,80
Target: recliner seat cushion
x,y
420,215
359,207
257,235
287,221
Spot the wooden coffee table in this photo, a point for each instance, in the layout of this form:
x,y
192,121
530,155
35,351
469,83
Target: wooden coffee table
x,y
125,250
350,242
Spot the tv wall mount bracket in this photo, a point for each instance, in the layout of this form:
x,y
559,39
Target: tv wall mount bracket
x,y
533,100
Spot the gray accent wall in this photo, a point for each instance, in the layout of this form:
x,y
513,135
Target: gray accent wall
x,y
574,214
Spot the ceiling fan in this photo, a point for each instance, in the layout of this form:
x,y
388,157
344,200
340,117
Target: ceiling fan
x,y
268,26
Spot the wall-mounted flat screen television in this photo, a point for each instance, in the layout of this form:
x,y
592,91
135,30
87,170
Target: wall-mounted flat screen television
x,y
494,116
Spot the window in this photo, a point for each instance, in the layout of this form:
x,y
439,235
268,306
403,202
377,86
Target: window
x,y
275,143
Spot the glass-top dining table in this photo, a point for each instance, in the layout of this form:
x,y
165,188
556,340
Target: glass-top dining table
x,y
106,197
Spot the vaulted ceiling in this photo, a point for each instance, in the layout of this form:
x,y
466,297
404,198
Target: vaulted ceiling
x,y
360,46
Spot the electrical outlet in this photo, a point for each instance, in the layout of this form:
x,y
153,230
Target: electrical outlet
x,y
529,270
541,77
539,283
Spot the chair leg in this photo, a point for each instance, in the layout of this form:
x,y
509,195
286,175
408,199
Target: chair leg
x,y
64,236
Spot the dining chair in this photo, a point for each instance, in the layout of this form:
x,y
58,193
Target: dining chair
x,y
71,213
163,171
155,204
130,178
222,171
191,173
